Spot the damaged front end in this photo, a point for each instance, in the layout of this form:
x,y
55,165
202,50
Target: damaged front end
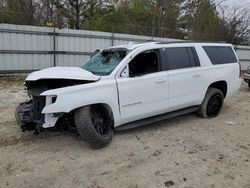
x,y
29,114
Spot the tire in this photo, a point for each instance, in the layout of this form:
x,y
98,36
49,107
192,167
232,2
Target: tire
x,y
18,108
95,130
249,84
212,103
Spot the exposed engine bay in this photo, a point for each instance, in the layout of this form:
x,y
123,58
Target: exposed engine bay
x,y
29,114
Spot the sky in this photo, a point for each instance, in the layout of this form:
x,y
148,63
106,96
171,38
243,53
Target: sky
x,y
235,2
228,5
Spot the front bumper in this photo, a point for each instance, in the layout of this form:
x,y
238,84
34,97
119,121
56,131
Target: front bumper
x,y
247,77
27,118
30,117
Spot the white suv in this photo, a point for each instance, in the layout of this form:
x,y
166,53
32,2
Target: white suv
x,y
128,86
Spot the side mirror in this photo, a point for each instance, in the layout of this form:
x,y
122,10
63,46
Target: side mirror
x,y
95,52
124,73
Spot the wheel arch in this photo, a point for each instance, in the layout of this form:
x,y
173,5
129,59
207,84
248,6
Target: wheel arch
x,y
107,107
221,85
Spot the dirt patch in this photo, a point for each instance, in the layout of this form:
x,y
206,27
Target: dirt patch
x,y
182,152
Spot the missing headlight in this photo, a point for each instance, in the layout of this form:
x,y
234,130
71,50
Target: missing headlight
x,y
59,114
53,99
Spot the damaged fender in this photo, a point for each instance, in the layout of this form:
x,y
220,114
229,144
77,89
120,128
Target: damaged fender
x,y
73,97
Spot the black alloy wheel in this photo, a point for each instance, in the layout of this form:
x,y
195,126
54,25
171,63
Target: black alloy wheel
x,y
100,120
211,104
214,105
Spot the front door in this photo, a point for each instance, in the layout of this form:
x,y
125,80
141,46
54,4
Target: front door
x,y
144,92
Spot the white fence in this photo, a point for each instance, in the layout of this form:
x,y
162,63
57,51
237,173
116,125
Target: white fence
x,y
28,48
243,53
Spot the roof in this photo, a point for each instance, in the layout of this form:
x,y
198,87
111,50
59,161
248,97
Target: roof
x,y
131,46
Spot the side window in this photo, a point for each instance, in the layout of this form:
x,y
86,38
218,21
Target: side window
x,y
220,54
194,57
144,63
178,58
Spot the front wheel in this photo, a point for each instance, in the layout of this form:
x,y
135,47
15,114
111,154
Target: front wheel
x,y
93,124
212,103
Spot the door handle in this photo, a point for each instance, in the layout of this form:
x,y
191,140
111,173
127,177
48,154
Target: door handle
x,y
196,76
160,81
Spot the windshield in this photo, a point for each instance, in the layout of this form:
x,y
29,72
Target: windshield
x,y
105,62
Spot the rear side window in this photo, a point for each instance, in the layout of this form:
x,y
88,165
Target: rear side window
x,y
180,57
220,54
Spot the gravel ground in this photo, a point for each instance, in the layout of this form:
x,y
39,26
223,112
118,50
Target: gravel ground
x,y
186,151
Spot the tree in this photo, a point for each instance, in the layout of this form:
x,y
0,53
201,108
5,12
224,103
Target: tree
x,y
236,20
77,11
203,22
18,11
48,12
166,18
207,23
22,11
142,17
132,18
195,19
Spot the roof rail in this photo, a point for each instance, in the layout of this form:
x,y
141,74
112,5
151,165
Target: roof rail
x,y
190,41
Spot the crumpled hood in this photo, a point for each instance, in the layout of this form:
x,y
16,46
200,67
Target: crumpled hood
x,y
74,73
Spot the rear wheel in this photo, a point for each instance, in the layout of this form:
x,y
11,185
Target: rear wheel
x,y
93,124
212,103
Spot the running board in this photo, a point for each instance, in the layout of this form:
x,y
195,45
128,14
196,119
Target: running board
x,y
157,118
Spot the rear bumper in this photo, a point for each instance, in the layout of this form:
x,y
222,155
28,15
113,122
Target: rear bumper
x,y
234,86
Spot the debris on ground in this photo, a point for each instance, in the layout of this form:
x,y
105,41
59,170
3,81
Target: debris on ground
x,y
169,183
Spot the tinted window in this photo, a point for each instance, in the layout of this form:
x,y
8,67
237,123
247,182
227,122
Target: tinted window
x,y
220,54
144,63
180,57
196,58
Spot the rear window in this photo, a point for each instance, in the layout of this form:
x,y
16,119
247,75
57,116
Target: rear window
x,y
180,57
220,54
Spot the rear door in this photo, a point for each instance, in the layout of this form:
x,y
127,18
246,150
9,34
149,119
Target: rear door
x,y
185,76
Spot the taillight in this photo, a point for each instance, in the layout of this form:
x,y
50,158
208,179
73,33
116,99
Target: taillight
x,y
239,69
